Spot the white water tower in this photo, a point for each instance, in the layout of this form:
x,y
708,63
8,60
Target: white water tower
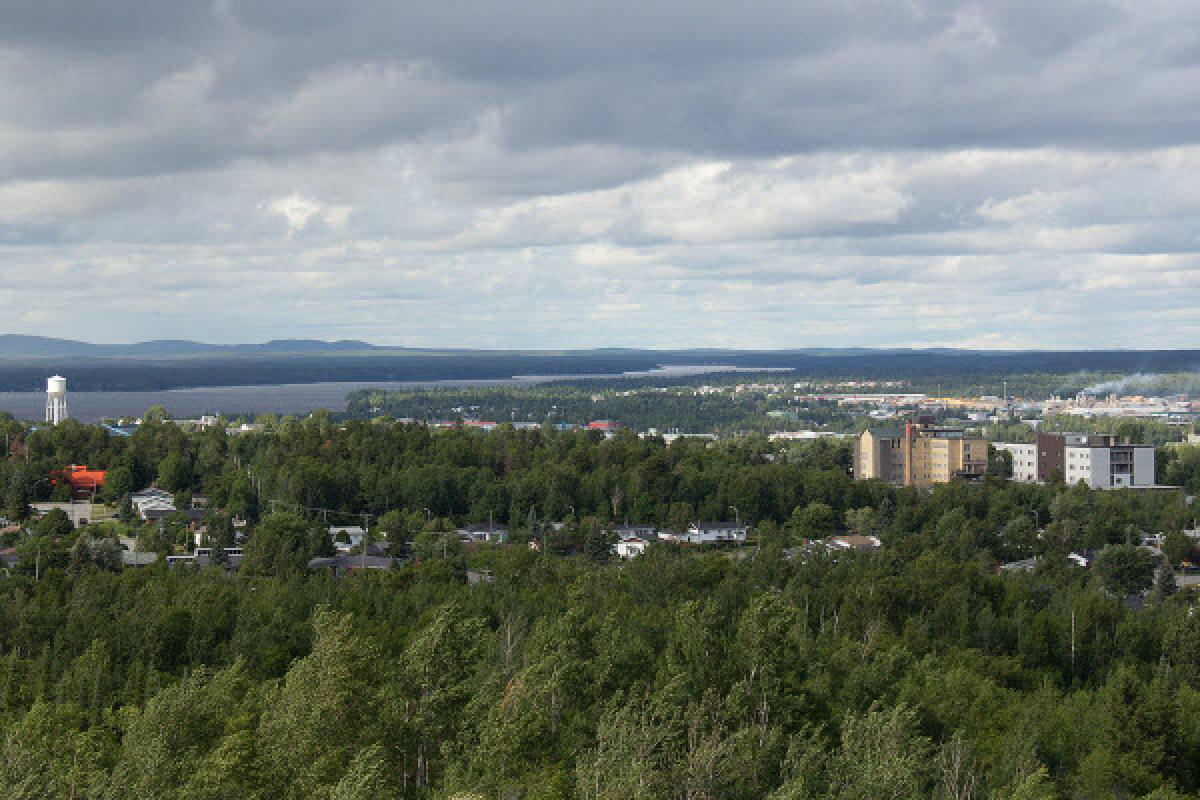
x,y
56,399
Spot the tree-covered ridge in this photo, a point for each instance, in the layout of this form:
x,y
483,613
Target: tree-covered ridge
x,y
374,467
675,408
918,670
675,675
759,403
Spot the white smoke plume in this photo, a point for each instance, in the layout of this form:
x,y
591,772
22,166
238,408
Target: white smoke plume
x,y
1149,383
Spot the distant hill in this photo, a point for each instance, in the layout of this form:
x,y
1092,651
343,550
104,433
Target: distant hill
x,y
26,362
17,346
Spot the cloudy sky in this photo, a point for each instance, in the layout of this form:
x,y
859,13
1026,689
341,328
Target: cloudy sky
x,y
609,173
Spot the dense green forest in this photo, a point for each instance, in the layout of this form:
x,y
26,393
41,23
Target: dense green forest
x,y
673,408
1135,430
918,670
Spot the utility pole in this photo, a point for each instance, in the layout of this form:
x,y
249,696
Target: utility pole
x,y
1072,643
364,541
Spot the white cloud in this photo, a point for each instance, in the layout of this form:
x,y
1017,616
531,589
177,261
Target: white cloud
x,y
1034,206
790,174
36,201
296,210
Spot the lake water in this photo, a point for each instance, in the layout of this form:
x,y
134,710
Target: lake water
x,y
290,398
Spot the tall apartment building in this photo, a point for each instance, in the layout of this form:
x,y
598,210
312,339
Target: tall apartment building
x,y
1102,461
920,455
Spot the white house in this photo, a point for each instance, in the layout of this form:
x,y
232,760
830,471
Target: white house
x,y
1083,559
350,536
853,541
626,531
152,499
710,532
630,548
484,532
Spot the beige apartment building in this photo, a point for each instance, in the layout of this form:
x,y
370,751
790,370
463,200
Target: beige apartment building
x,y
920,454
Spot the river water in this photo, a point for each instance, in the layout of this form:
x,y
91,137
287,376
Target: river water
x,y
290,398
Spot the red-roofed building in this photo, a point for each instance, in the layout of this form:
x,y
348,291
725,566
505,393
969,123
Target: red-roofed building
x,y
83,480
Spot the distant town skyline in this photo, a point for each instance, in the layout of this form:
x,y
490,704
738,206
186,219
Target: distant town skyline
x,y
523,175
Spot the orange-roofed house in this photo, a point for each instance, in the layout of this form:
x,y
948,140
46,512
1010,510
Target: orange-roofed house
x,y
83,480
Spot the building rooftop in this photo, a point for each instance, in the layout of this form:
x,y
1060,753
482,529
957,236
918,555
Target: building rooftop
x,y
484,527
348,562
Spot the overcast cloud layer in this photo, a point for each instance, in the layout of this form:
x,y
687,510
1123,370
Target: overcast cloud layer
x,y
610,173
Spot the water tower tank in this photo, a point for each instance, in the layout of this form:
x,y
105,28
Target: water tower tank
x,y
56,399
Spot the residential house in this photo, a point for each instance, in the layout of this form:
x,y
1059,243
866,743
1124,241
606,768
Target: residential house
x,y
152,499
78,513
1082,559
832,545
194,516
632,540
84,482
343,563
9,559
346,537
712,532
478,576
138,558
626,531
484,532
631,548
853,541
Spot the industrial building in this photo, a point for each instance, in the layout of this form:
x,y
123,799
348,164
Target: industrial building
x,y
921,454
1102,461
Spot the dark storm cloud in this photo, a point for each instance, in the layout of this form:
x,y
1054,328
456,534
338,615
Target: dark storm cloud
x,y
620,163
277,79
93,25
